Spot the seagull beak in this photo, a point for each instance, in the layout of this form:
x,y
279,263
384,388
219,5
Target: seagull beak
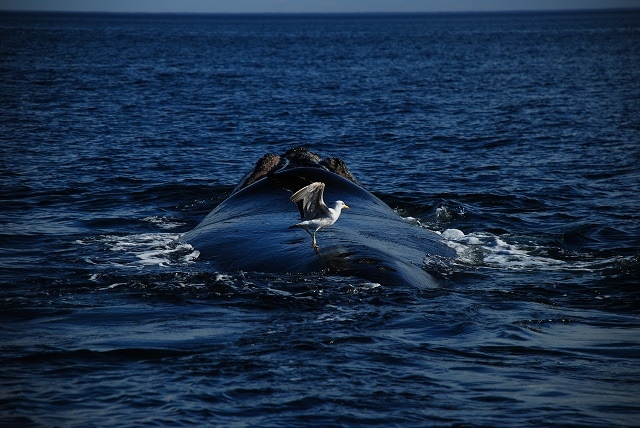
x,y
346,207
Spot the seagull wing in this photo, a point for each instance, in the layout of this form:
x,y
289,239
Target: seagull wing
x,y
288,182
312,202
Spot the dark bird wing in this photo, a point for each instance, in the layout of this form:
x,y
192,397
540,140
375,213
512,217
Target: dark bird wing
x,y
312,201
291,183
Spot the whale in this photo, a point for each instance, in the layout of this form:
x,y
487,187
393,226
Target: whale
x,y
251,230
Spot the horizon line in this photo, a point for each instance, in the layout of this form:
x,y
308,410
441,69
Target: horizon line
x,y
567,10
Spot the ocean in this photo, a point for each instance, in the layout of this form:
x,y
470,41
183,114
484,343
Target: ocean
x,y
515,136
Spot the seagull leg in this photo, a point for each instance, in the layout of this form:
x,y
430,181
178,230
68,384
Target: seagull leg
x,y
315,246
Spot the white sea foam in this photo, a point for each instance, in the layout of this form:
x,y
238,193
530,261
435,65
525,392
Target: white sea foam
x,y
506,252
145,249
162,222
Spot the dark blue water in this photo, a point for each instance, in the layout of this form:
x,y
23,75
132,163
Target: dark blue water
x,y
515,136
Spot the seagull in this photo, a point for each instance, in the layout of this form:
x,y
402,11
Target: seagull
x,y
315,213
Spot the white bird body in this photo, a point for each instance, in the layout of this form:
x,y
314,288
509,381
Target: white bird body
x,y
316,214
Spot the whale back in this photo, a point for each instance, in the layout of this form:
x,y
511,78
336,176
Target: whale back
x,y
250,231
